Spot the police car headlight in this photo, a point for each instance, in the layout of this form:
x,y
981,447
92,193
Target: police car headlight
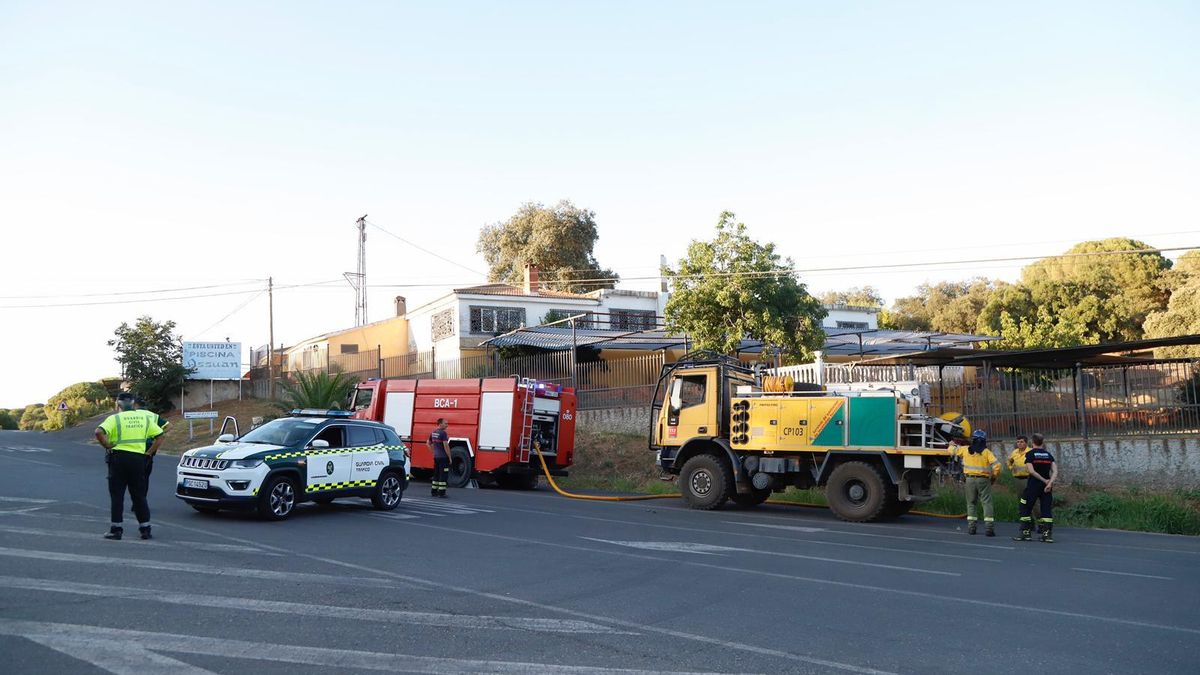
x,y
245,463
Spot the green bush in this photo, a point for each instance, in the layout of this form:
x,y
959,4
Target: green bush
x,y
318,390
33,418
7,421
83,399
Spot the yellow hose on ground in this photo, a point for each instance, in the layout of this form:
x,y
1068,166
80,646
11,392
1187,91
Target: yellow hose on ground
x,y
672,495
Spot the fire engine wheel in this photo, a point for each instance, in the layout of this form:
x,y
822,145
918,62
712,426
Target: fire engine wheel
x,y
705,482
751,499
858,492
461,467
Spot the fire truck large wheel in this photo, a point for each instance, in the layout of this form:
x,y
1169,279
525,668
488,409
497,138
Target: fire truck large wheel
x,y
705,482
857,492
461,467
751,499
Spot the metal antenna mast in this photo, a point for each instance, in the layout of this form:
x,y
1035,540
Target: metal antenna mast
x,y
358,280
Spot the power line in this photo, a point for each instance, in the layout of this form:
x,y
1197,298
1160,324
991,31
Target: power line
x,y
235,311
425,250
160,290
149,300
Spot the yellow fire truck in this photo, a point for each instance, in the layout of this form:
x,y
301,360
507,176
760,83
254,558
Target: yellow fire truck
x,y
715,427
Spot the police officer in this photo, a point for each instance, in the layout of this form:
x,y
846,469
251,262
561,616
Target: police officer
x,y
1043,471
438,440
982,469
139,404
124,436
1016,462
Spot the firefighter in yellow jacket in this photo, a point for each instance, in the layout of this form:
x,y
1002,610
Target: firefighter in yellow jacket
x,y
982,470
1016,461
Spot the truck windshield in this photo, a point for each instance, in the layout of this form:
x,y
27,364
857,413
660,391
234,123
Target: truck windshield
x,y
360,399
290,431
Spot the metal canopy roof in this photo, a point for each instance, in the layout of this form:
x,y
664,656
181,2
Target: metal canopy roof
x,y
1065,357
839,341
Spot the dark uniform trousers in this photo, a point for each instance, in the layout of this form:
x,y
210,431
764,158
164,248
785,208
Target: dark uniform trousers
x,y
441,475
127,471
1035,491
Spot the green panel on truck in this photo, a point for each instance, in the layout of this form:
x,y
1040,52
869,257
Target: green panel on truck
x,y
873,421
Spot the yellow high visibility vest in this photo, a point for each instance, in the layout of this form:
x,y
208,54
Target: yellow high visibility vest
x,y
981,464
129,429
1016,463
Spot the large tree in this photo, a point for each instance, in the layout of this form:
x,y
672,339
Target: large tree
x,y
151,358
945,306
1182,314
732,287
558,239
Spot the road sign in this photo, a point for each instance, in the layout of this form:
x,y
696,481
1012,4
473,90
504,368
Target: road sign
x,y
201,415
62,405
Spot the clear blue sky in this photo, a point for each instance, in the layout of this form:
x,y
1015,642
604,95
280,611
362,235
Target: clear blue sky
x,y
159,145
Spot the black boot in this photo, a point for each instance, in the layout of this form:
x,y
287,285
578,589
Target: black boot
x,y
1026,533
990,530
145,532
1047,536
971,527
115,533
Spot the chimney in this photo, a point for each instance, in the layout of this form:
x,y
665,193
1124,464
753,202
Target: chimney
x,y
401,306
531,279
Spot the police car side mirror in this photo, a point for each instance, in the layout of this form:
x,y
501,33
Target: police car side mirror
x,y
226,438
318,444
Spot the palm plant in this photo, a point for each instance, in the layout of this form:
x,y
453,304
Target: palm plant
x,y
317,389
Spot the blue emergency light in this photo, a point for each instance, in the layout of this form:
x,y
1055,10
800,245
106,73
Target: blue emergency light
x,y
319,412
549,389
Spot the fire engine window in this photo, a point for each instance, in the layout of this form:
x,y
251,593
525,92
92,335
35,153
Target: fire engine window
x,y
362,399
360,437
332,435
692,389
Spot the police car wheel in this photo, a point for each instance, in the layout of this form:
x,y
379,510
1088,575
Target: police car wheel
x,y
388,492
278,499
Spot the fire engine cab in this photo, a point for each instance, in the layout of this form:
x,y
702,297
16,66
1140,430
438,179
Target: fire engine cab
x,y
494,424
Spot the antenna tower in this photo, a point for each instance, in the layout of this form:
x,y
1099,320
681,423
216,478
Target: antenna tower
x,y
358,280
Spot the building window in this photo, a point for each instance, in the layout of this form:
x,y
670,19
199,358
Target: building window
x,y
585,321
496,319
631,319
442,324
349,349
853,324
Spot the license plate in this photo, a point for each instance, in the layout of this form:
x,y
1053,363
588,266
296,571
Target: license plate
x,y
193,483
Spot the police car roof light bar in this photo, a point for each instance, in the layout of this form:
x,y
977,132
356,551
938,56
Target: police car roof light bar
x,y
319,412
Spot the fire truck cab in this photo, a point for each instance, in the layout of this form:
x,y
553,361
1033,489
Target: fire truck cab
x,y
494,425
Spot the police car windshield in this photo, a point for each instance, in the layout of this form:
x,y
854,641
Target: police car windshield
x,y
290,431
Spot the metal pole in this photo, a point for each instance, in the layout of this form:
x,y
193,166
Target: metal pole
x,y
1012,383
574,357
1128,398
941,391
379,359
271,339
1080,395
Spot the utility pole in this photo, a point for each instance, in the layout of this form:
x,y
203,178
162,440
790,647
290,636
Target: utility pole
x,y
271,338
358,279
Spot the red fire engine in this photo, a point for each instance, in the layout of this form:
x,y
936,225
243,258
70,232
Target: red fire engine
x,y
494,424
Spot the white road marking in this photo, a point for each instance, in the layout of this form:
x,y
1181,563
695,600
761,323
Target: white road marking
x,y
20,458
1139,548
391,515
304,609
222,548
710,549
742,570
117,658
1123,574
30,500
250,573
923,540
794,528
22,448
102,639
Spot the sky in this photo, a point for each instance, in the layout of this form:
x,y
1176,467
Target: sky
x,y
210,145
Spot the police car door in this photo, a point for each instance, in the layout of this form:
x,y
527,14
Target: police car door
x,y
329,468
370,459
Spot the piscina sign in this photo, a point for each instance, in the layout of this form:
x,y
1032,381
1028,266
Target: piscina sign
x,y
213,360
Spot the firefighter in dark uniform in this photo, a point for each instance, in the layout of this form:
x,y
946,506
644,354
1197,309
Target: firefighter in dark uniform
x,y
438,441
124,436
139,404
1043,471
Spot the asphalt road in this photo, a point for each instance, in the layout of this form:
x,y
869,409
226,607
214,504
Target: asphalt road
x,y
501,582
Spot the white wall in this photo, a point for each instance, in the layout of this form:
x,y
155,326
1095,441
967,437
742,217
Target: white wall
x,y
835,315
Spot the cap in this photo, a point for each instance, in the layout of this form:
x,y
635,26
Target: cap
x,y
124,396
979,433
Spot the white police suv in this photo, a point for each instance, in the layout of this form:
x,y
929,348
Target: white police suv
x,y
313,455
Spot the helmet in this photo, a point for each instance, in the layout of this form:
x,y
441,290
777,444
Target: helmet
x,y
979,433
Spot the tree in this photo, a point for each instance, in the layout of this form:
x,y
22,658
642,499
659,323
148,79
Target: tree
x,y
151,358
83,400
1182,314
558,239
1128,286
7,421
318,389
866,296
732,288
33,418
945,306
